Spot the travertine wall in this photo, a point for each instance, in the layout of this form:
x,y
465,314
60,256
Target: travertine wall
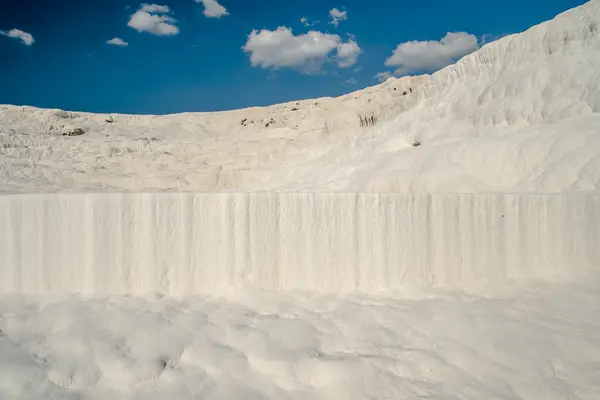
x,y
184,244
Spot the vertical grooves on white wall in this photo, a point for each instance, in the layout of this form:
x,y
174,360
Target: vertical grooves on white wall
x,y
205,243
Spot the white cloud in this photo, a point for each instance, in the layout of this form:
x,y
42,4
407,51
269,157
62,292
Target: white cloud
x,y
307,52
154,8
383,76
117,42
212,9
337,16
347,53
429,56
351,81
25,37
151,18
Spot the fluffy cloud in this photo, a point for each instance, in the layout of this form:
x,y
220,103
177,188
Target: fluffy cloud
x,y
25,37
347,53
337,16
307,52
152,18
154,8
429,56
117,42
212,9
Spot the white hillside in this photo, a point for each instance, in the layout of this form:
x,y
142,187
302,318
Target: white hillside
x,y
520,115
41,149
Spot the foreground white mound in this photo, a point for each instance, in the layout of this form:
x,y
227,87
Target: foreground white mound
x,y
520,115
525,341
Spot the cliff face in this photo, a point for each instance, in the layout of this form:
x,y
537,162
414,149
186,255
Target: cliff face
x,y
184,244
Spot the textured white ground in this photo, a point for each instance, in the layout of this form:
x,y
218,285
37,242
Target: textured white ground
x,y
521,115
520,340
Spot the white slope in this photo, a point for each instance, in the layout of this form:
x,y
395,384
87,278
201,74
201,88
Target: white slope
x,y
522,114
183,152
523,341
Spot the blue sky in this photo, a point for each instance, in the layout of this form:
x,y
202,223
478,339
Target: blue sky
x,y
192,55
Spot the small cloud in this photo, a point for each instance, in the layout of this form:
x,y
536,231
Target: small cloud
x,y
337,16
117,42
154,8
431,55
359,68
307,52
152,18
25,37
212,9
306,22
351,81
383,76
347,53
